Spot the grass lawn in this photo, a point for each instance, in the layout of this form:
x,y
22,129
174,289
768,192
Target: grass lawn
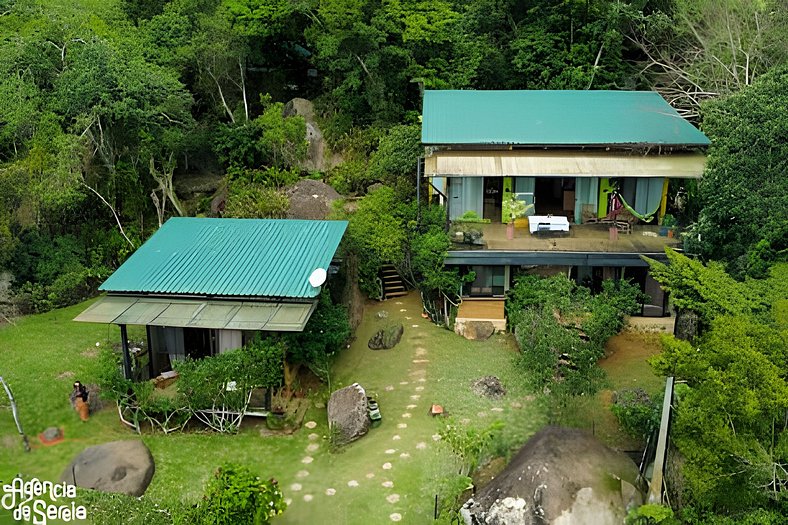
x,y
626,367
391,472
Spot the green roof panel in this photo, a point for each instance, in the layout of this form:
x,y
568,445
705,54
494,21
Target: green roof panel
x,y
229,258
554,118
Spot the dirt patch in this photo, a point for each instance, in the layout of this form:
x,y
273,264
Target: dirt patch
x,y
489,386
90,353
68,374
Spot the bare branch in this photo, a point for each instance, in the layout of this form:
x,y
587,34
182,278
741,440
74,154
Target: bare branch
x,y
117,219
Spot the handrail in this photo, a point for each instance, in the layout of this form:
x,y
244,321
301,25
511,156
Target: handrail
x,y
655,489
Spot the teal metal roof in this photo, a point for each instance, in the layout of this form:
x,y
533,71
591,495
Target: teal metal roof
x,y
229,258
570,118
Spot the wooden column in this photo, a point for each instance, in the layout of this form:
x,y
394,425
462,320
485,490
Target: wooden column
x,y
124,343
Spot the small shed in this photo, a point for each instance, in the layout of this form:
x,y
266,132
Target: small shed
x,y
202,286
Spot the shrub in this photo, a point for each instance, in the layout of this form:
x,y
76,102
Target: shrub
x,y
637,413
235,495
251,200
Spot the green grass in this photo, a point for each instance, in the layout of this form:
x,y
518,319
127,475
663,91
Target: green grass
x,y
35,354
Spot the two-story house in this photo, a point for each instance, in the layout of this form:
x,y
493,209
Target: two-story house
x,y
592,169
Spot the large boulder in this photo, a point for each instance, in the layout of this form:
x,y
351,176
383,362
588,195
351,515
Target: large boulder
x,y
319,156
348,417
311,200
561,476
386,338
120,466
475,330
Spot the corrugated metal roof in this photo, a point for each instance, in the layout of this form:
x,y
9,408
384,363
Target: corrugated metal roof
x,y
230,257
219,314
554,118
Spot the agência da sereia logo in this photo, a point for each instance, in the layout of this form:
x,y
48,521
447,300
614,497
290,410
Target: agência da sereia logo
x,y
39,501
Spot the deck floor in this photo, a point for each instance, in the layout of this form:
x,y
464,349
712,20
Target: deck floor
x,y
481,309
581,238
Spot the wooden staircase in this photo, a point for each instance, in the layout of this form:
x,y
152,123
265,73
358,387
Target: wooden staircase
x,y
392,282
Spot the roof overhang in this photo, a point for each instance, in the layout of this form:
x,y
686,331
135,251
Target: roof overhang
x,y
557,163
194,313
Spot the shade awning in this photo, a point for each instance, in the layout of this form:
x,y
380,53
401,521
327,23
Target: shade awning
x,y
557,163
194,313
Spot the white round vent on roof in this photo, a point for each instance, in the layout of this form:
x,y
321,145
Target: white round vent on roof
x,y
318,277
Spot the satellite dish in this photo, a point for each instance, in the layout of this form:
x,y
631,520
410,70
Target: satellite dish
x,y
318,277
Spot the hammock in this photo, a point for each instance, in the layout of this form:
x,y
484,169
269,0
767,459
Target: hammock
x,y
617,201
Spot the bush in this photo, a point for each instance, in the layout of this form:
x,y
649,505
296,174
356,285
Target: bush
x,y
251,200
638,414
235,495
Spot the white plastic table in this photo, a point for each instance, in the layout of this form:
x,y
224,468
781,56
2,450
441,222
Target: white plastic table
x,y
552,223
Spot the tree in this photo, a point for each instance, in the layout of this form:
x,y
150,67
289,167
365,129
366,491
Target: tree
x,y
744,191
701,49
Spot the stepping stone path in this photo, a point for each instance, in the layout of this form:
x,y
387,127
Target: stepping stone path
x,y
302,473
330,492
393,498
370,475
388,484
496,409
295,487
404,455
406,415
403,383
421,445
308,497
415,397
391,451
389,388
395,517
307,460
436,437
410,407
312,447
419,388
289,501
387,466
396,438
313,436
352,483
402,425
310,424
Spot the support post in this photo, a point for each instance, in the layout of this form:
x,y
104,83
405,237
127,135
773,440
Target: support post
x,y
418,192
124,343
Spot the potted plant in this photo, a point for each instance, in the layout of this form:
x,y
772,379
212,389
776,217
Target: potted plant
x,y
513,209
668,225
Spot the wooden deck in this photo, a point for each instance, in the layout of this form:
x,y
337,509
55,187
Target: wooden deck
x,y
481,310
581,238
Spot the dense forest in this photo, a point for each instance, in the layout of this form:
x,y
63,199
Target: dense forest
x,y
108,106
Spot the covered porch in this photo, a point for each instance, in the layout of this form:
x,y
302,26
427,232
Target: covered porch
x,y
580,238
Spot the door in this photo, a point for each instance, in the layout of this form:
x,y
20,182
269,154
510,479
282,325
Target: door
x,y
493,198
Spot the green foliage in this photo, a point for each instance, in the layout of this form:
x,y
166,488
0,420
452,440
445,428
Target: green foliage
x,y
235,495
326,332
562,330
637,413
376,233
394,162
468,443
270,140
705,289
651,514
204,382
252,200
744,192
729,423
